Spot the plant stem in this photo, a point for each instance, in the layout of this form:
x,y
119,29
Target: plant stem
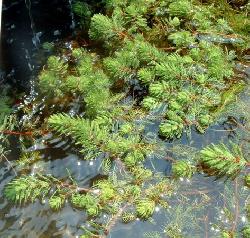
x,y
113,220
25,133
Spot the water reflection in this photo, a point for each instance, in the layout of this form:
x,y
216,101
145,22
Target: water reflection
x,y
37,219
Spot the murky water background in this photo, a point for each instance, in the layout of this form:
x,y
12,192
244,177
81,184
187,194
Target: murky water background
x,y
26,24
21,61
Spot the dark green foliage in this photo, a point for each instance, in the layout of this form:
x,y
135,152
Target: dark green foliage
x,y
5,104
50,79
48,46
8,123
82,10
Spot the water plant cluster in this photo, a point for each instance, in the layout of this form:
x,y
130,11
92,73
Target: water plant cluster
x,y
170,62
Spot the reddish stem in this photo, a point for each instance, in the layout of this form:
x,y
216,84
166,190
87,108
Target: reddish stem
x,y
26,133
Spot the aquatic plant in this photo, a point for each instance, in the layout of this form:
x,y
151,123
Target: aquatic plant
x,y
221,162
106,195
169,54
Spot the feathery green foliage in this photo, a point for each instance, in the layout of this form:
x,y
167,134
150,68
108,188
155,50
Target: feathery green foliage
x,y
218,160
183,169
246,232
193,68
81,82
199,67
95,138
102,197
145,208
27,188
81,9
103,28
27,159
56,202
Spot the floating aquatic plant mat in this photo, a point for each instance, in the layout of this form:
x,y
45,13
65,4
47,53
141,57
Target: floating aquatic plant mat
x,y
155,96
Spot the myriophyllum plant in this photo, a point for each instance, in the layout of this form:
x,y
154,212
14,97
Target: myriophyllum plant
x,y
160,61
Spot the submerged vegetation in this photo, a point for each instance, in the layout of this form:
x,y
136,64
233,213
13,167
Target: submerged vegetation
x,y
170,63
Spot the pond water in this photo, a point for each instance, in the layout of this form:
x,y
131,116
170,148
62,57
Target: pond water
x,y
26,25
207,198
197,204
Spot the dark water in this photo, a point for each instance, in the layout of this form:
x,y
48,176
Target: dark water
x,y
23,33
26,25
